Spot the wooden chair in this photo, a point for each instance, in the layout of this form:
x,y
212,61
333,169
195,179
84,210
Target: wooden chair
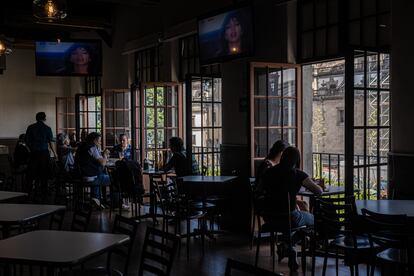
x,y
81,218
391,233
158,252
247,269
335,226
56,221
178,208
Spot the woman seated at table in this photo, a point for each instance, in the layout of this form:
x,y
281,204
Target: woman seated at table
x,y
65,152
122,150
286,179
272,159
178,160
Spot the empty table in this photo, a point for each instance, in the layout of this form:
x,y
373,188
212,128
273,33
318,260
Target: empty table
x,y
7,196
387,207
15,214
55,249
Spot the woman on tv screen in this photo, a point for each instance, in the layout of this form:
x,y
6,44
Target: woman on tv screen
x,y
79,60
232,40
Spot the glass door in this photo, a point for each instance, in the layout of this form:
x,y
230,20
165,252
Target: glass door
x,y
88,115
204,115
370,99
275,108
65,115
157,116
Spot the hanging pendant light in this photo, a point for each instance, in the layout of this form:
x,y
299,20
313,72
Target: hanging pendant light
x,y
4,48
49,9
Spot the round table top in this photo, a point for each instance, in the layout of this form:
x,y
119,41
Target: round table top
x,y
387,207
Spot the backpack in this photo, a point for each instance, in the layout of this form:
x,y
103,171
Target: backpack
x,y
128,176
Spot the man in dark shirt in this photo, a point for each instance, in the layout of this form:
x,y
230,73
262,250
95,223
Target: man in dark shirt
x,y
178,160
39,138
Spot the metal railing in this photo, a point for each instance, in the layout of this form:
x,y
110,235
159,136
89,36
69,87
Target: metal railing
x,y
208,159
331,168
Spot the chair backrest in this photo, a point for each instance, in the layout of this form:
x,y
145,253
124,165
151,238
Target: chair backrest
x,y
126,226
386,230
56,221
247,269
334,216
158,252
81,218
165,193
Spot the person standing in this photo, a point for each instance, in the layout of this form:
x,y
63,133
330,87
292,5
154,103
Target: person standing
x,y
39,139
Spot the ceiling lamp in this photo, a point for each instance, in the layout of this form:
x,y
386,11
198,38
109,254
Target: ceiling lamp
x,y
4,48
49,9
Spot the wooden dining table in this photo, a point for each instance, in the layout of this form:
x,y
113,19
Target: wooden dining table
x,y
387,207
57,249
9,196
18,214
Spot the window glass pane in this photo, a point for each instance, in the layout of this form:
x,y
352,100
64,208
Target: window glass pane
x,y
385,108
372,110
119,100
289,112
150,138
109,118
196,115
149,96
289,135
289,82
385,70
260,81
372,145
359,108
274,112
207,90
384,144
274,135
207,115
120,119
196,91
383,182
260,143
217,90
217,115
260,112
359,144
150,117
160,117
372,70
172,117
217,138
274,82
359,71
161,142
160,96
172,95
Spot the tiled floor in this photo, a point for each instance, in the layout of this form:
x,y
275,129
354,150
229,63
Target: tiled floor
x,y
217,251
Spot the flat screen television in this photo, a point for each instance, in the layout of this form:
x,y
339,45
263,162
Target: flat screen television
x,y
226,35
69,58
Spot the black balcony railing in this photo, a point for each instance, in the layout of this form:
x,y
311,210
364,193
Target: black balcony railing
x,y
331,168
208,159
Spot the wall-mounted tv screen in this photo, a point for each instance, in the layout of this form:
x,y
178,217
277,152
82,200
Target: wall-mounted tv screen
x,y
226,35
74,58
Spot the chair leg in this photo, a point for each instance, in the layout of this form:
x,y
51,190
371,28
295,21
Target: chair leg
x,y
337,261
313,248
272,249
303,253
188,239
252,232
351,268
325,260
356,270
259,235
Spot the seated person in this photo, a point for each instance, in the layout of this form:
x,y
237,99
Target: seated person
x,y
65,152
122,150
72,140
272,159
91,163
21,154
285,179
178,160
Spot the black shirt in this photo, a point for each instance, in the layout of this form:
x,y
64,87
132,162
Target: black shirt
x,y
278,182
38,136
178,162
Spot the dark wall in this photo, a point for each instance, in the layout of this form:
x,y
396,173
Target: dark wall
x,y
402,109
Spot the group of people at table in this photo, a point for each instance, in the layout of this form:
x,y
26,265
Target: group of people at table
x,y
84,159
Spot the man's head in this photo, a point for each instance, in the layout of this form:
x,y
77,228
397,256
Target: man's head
x,y
290,157
94,138
40,116
123,139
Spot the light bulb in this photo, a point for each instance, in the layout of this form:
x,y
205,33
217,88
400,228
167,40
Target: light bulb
x,y
50,9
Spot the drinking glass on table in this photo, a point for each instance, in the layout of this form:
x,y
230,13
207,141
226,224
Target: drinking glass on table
x,y
121,155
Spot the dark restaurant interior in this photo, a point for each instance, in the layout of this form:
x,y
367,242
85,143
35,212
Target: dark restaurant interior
x,y
232,137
